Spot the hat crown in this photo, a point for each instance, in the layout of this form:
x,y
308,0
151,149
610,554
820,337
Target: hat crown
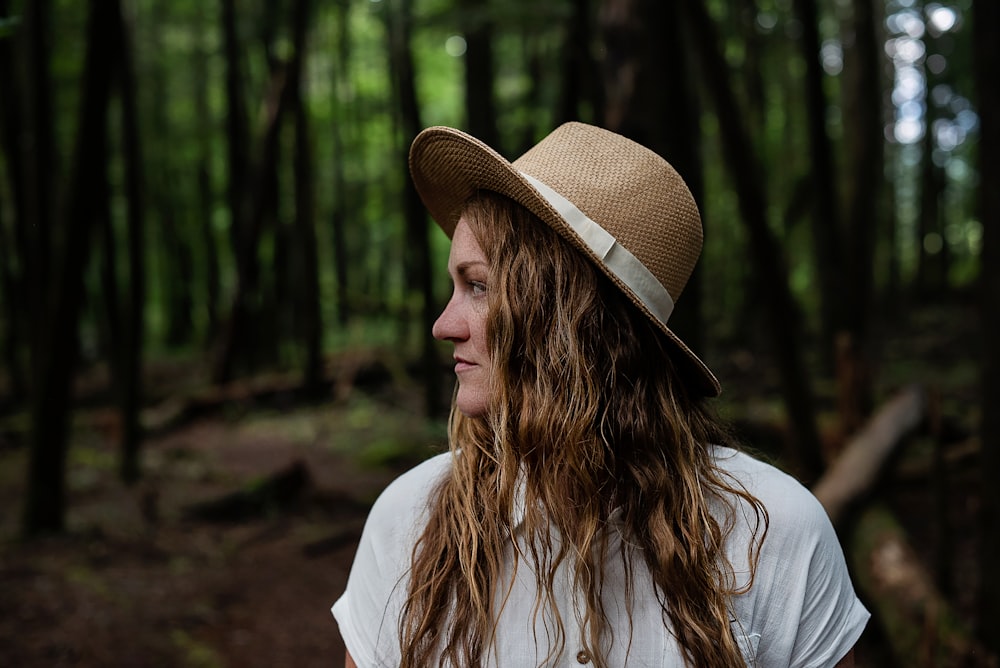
x,y
628,190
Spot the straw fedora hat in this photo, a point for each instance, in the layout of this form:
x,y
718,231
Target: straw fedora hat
x,y
619,203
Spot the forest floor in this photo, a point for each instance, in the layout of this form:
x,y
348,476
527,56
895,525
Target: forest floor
x,y
239,537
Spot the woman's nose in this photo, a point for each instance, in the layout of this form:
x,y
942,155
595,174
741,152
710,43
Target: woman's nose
x,y
450,326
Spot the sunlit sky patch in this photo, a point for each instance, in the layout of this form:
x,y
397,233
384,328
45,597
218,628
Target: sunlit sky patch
x,y
455,46
942,19
908,51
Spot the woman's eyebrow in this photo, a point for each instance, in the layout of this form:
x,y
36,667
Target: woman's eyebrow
x,y
462,268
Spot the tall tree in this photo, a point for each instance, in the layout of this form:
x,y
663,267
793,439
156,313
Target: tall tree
x,y
130,382
743,15
418,250
657,107
235,343
581,90
10,317
480,109
238,154
27,137
237,133
338,216
864,156
986,63
37,159
252,308
783,316
825,217
205,201
12,267
932,262
533,47
267,304
305,226
56,346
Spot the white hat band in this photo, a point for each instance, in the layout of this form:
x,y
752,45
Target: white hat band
x,y
615,257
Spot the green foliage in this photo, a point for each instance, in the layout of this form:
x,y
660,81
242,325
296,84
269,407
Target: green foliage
x,y
359,180
377,437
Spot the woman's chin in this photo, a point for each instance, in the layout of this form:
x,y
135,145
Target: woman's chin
x,y
471,406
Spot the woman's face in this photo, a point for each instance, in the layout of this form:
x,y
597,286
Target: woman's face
x,y
463,321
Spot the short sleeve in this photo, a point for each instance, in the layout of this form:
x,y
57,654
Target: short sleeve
x,y
802,603
368,611
831,618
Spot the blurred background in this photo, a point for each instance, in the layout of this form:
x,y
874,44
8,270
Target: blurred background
x,y
217,286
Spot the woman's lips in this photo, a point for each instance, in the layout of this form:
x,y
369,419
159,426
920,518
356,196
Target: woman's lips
x,y
463,365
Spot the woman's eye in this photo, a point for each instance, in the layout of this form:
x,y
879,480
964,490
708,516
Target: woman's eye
x,y
477,288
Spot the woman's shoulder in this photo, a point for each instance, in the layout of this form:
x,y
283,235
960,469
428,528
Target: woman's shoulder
x,y
786,499
801,605
404,501
413,487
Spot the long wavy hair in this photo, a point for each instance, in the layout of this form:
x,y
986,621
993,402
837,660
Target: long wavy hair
x,y
587,414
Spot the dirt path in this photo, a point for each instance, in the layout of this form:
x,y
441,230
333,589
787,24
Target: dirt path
x,y
134,583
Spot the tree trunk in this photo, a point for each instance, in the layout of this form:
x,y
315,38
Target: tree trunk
x,y
237,135
308,288
11,119
534,48
986,63
237,143
256,206
339,215
856,470
178,269
480,110
11,316
743,15
931,275
825,213
55,354
37,161
865,164
266,304
783,315
205,206
922,628
13,286
266,308
580,89
338,221
110,287
418,250
657,107
130,387
236,335
928,212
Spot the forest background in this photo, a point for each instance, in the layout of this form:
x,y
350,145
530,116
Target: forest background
x,y
217,285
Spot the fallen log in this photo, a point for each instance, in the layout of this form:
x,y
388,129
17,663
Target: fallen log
x,y
919,623
854,473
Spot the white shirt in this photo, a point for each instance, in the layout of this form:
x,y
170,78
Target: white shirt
x,y
801,611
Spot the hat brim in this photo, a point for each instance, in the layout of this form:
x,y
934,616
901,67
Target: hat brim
x,y
449,166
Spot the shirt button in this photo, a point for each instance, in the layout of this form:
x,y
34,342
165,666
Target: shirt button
x,y
583,656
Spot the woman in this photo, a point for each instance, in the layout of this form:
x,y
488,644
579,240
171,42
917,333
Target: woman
x,y
588,511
